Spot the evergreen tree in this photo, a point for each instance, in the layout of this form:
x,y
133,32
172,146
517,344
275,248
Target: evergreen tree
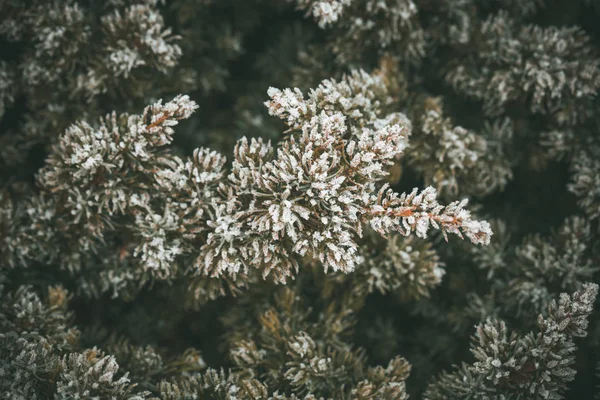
x,y
299,199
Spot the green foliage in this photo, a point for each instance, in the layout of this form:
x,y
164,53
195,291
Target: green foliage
x,y
287,222
535,366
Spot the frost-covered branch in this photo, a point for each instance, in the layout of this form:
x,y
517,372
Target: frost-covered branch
x,y
310,196
538,365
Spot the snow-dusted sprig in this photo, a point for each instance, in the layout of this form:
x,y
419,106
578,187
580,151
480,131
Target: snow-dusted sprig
x,y
451,158
100,177
314,353
83,149
376,149
286,104
529,275
406,266
585,182
417,212
360,27
339,146
550,70
536,366
325,12
137,36
311,196
361,97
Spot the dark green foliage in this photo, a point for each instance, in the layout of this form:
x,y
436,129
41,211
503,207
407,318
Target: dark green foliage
x,y
286,223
